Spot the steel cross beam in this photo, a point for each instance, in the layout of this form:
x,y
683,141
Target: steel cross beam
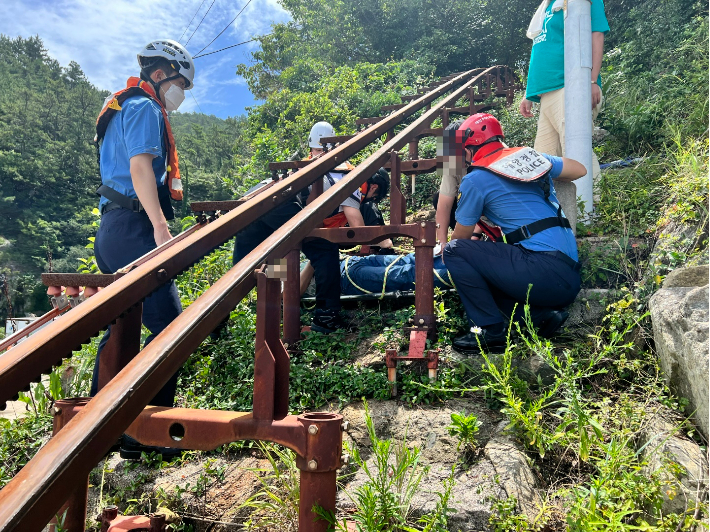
x,y
34,495
23,364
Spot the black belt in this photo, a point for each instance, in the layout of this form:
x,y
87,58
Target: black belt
x,y
118,200
526,231
569,261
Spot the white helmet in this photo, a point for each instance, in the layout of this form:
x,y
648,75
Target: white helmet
x,y
175,53
318,131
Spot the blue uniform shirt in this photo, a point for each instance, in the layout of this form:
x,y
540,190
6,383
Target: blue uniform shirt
x,y
511,204
137,128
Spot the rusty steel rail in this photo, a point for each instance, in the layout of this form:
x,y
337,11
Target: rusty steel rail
x,y
25,362
91,280
32,327
34,495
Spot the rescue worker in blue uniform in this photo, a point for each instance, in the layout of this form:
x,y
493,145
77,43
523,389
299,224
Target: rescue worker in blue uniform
x,y
513,188
139,175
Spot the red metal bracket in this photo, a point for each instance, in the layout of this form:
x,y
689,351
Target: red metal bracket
x,y
431,358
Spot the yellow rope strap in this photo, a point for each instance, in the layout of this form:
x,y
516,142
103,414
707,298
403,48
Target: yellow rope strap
x,y
442,281
384,281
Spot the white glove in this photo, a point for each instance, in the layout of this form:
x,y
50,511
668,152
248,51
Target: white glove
x,y
438,249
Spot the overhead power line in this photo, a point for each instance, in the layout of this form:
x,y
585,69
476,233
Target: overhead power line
x,y
198,105
190,23
225,28
200,24
231,46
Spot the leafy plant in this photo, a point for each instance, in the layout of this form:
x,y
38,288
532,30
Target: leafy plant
x,y
393,474
275,505
465,428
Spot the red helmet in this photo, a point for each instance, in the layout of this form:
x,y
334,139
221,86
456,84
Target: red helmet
x,y
478,129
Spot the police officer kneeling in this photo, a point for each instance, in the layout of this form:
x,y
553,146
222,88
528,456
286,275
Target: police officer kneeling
x,y
513,188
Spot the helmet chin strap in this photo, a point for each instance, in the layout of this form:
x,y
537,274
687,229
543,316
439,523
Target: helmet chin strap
x,y
156,84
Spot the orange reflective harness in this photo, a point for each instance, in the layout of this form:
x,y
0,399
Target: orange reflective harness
x,y
137,87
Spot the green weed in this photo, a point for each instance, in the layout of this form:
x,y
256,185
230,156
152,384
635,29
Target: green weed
x,y
393,475
465,428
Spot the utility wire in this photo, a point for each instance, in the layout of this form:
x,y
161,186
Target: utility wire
x,y
232,46
225,28
198,105
200,24
190,23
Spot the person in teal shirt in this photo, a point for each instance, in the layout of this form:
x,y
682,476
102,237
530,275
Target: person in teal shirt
x,y
546,74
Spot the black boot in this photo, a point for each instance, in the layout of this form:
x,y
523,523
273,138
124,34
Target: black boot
x,y
551,323
326,321
131,449
491,338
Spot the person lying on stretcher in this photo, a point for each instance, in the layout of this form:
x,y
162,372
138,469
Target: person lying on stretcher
x,y
378,274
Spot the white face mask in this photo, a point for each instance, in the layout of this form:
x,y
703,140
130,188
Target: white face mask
x,y
174,96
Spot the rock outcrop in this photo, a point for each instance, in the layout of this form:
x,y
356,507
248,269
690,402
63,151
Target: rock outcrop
x,y
682,465
499,471
680,329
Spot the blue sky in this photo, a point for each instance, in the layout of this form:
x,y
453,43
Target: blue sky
x,y
105,36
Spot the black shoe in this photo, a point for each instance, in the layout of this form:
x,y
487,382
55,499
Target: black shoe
x,y
131,449
327,321
551,324
489,341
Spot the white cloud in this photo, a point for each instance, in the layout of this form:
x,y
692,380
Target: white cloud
x,y
104,37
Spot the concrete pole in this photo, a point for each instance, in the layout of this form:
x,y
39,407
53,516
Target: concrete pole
x,y
578,98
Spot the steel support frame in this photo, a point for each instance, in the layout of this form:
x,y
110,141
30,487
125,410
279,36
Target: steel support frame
x,y
424,236
315,437
39,489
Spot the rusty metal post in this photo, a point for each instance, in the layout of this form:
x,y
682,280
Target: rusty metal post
x,y
72,514
157,523
123,344
391,363
292,297
414,150
316,489
108,514
433,364
319,468
424,275
398,206
271,363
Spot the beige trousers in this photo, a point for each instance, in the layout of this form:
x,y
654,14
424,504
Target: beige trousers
x,y
550,137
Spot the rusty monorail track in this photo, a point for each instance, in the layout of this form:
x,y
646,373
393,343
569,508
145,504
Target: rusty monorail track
x,y
61,467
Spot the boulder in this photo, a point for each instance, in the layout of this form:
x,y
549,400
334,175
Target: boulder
x,y
683,466
426,428
680,330
689,276
588,309
514,473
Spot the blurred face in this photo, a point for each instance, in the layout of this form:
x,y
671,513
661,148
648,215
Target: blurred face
x,y
373,191
317,152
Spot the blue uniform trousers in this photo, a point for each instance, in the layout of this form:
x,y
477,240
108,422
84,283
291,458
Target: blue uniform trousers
x,y
491,278
324,255
124,236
